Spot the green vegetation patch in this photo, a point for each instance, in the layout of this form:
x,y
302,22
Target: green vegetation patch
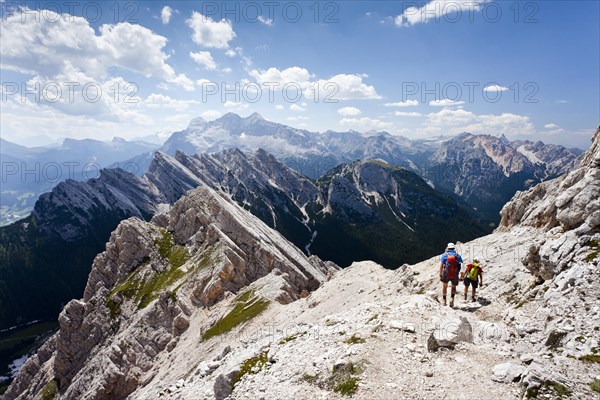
x,y
354,340
532,393
521,304
550,389
593,244
175,254
595,385
290,338
344,380
560,389
590,358
310,378
347,387
4,386
49,391
247,306
145,289
251,366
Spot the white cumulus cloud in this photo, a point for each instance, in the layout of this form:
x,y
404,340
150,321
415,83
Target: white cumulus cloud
x,y
407,103
297,108
495,88
407,114
234,105
210,114
210,33
46,43
366,124
454,121
345,87
437,9
162,101
349,111
266,21
551,126
297,75
445,103
338,87
165,14
205,59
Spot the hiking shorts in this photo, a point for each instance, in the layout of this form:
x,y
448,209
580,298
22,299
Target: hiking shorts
x,y
468,282
445,279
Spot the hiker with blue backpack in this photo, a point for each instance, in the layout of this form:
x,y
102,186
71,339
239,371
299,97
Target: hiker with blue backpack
x,y
450,265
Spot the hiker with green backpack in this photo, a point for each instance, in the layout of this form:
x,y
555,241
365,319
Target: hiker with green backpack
x,y
450,266
472,276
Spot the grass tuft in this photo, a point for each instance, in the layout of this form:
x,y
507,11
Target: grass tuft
x,y
590,358
290,338
144,289
347,387
354,340
595,385
49,391
593,244
560,389
247,307
251,366
310,378
176,255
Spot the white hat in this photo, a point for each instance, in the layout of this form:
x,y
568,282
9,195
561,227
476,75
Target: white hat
x,y
450,246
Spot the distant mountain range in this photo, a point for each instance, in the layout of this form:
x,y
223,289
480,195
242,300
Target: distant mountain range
x,y
362,210
481,172
29,172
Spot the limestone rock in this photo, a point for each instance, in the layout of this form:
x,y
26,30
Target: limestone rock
x,y
507,372
452,331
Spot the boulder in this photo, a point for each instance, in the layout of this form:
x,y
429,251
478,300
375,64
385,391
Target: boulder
x,y
507,372
452,331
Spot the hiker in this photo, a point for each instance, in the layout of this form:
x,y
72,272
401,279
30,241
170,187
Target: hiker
x,y
472,276
450,265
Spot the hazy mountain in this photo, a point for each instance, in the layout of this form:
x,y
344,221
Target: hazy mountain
x,y
29,172
310,153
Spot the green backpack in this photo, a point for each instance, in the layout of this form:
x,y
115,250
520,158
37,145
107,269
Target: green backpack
x,y
473,272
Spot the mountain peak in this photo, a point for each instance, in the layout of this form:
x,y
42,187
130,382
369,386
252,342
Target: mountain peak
x,y
504,139
230,116
254,117
197,122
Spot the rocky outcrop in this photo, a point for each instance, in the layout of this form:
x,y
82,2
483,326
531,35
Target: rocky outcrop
x,y
567,208
153,282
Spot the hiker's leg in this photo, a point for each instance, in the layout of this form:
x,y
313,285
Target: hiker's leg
x,y
453,293
444,291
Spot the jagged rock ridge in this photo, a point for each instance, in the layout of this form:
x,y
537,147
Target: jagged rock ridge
x,y
109,340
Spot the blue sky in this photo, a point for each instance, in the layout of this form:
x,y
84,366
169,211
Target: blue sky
x,y
529,70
